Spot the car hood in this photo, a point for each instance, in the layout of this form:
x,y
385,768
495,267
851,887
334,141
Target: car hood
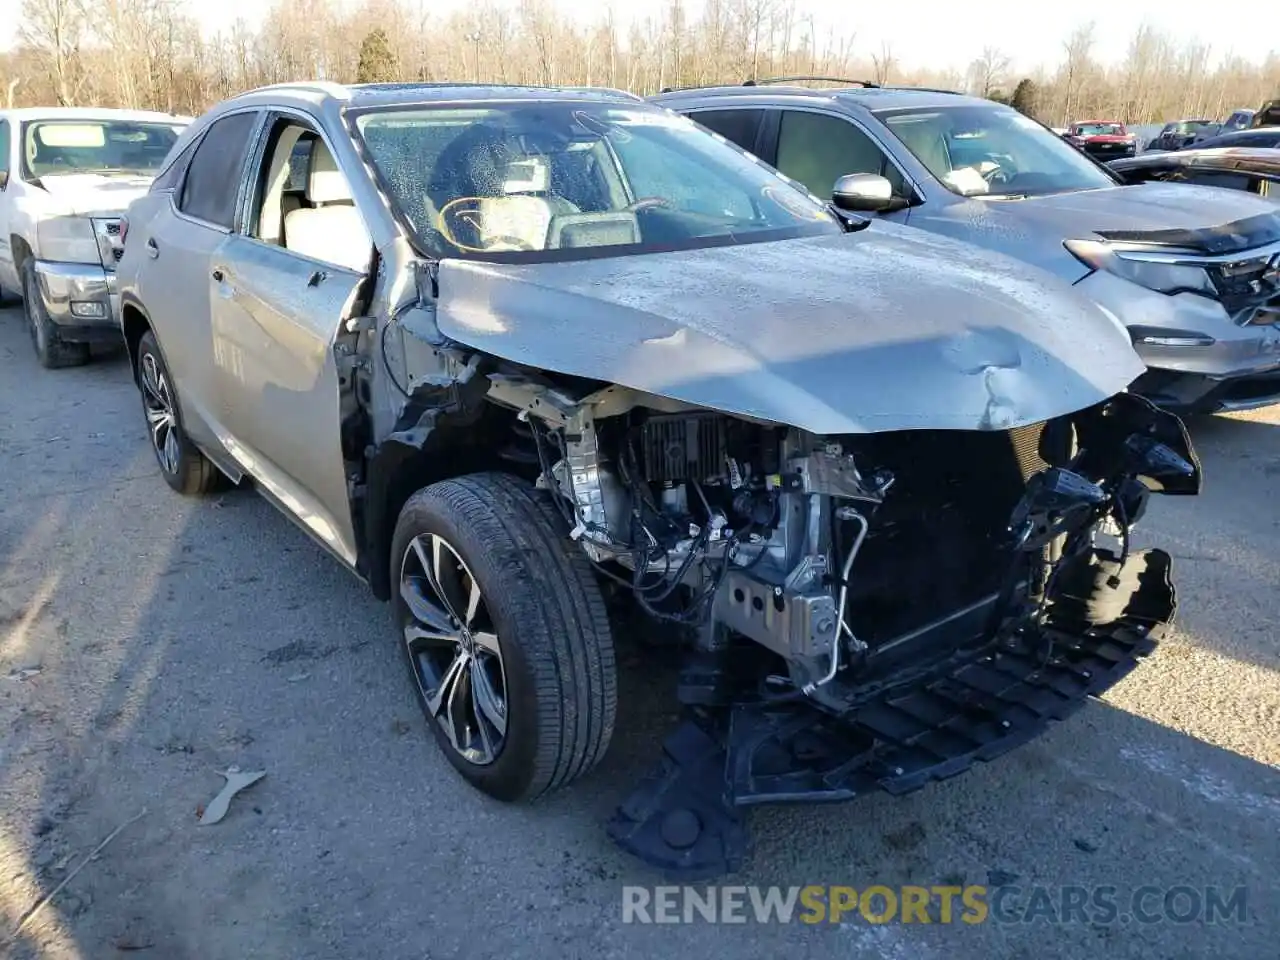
x,y
885,329
1106,138
1034,229
1147,206
88,194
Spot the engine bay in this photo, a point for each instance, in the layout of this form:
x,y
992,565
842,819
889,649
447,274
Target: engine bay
x,y
842,557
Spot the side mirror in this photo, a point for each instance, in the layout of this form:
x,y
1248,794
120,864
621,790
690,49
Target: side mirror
x,y
863,191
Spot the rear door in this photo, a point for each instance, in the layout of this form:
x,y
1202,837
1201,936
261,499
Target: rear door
x,y
281,295
175,285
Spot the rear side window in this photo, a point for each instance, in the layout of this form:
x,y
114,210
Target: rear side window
x,y
172,175
736,126
213,177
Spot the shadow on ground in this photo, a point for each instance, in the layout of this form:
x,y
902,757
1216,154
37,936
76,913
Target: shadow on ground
x,y
175,638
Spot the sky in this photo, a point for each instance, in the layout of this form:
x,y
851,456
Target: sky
x,y
942,33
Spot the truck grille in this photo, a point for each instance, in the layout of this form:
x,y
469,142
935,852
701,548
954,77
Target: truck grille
x,y
110,244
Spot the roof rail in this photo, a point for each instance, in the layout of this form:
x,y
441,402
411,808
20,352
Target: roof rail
x,y
907,86
853,83
314,86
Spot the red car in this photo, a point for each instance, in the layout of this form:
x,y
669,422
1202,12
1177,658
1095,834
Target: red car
x,y
1104,139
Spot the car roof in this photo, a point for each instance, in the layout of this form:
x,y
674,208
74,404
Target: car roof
x,y
869,96
318,93
90,113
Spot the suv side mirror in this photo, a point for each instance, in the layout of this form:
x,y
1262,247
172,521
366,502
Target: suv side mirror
x,y
863,191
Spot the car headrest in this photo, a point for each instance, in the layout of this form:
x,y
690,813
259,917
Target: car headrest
x,y
325,182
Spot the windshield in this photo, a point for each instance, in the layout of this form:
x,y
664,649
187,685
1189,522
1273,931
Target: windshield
x,y
1193,126
565,180
1099,129
993,151
52,147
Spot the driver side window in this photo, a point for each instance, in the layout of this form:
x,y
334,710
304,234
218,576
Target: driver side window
x,y
817,150
303,201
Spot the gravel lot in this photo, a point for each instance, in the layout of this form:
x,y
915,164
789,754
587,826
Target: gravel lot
x,y
176,637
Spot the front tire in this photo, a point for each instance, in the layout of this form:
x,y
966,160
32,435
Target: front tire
x,y
184,467
52,352
505,634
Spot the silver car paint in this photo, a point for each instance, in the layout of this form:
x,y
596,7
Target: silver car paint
x,y
1009,345
260,337
885,329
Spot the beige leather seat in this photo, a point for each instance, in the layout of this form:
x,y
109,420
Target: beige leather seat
x,y
330,229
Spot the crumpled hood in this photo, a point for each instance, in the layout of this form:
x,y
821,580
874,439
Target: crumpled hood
x,y
91,194
885,329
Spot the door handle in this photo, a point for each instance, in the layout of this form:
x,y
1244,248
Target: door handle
x,y
218,274
153,249
317,278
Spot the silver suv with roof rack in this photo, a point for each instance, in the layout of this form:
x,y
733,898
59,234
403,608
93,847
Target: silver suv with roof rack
x,y
533,363
1193,272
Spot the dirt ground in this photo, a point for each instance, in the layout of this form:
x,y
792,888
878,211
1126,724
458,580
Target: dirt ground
x,y
147,642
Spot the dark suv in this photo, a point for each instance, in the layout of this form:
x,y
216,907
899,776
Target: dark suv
x,y
980,171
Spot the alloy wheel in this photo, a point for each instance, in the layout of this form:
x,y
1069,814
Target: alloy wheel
x,y
158,402
453,648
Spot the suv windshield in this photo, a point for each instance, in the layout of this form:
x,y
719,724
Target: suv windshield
x,y
52,147
568,179
993,151
1098,130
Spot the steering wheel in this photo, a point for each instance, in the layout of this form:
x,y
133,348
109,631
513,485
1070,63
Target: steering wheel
x,y
467,210
998,175
645,203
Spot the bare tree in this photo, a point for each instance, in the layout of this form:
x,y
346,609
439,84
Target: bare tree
x,y
53,29
987,72
1078,65
883,62
151,53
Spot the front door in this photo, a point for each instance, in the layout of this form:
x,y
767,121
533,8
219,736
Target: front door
x,y
282,287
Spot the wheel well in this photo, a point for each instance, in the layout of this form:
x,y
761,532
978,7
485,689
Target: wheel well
x,y
21,250
492,439
134,323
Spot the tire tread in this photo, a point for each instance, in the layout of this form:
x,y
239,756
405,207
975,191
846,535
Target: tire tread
x,y
565,637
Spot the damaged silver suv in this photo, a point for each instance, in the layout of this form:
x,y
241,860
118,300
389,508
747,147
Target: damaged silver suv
x,y
532,362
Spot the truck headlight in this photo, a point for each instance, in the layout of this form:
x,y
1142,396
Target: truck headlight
x,y
67,240
1157,270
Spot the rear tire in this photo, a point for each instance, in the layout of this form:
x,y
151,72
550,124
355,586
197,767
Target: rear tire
x,y
52,352
182,464
533,704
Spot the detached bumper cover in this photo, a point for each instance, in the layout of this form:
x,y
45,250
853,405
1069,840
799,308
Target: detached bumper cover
x,y
81,300
985,701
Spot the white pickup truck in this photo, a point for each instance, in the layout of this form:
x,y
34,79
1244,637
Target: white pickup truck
x,y
66,176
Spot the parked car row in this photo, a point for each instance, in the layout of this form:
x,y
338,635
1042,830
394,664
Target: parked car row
x,y
836,387
1182,134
